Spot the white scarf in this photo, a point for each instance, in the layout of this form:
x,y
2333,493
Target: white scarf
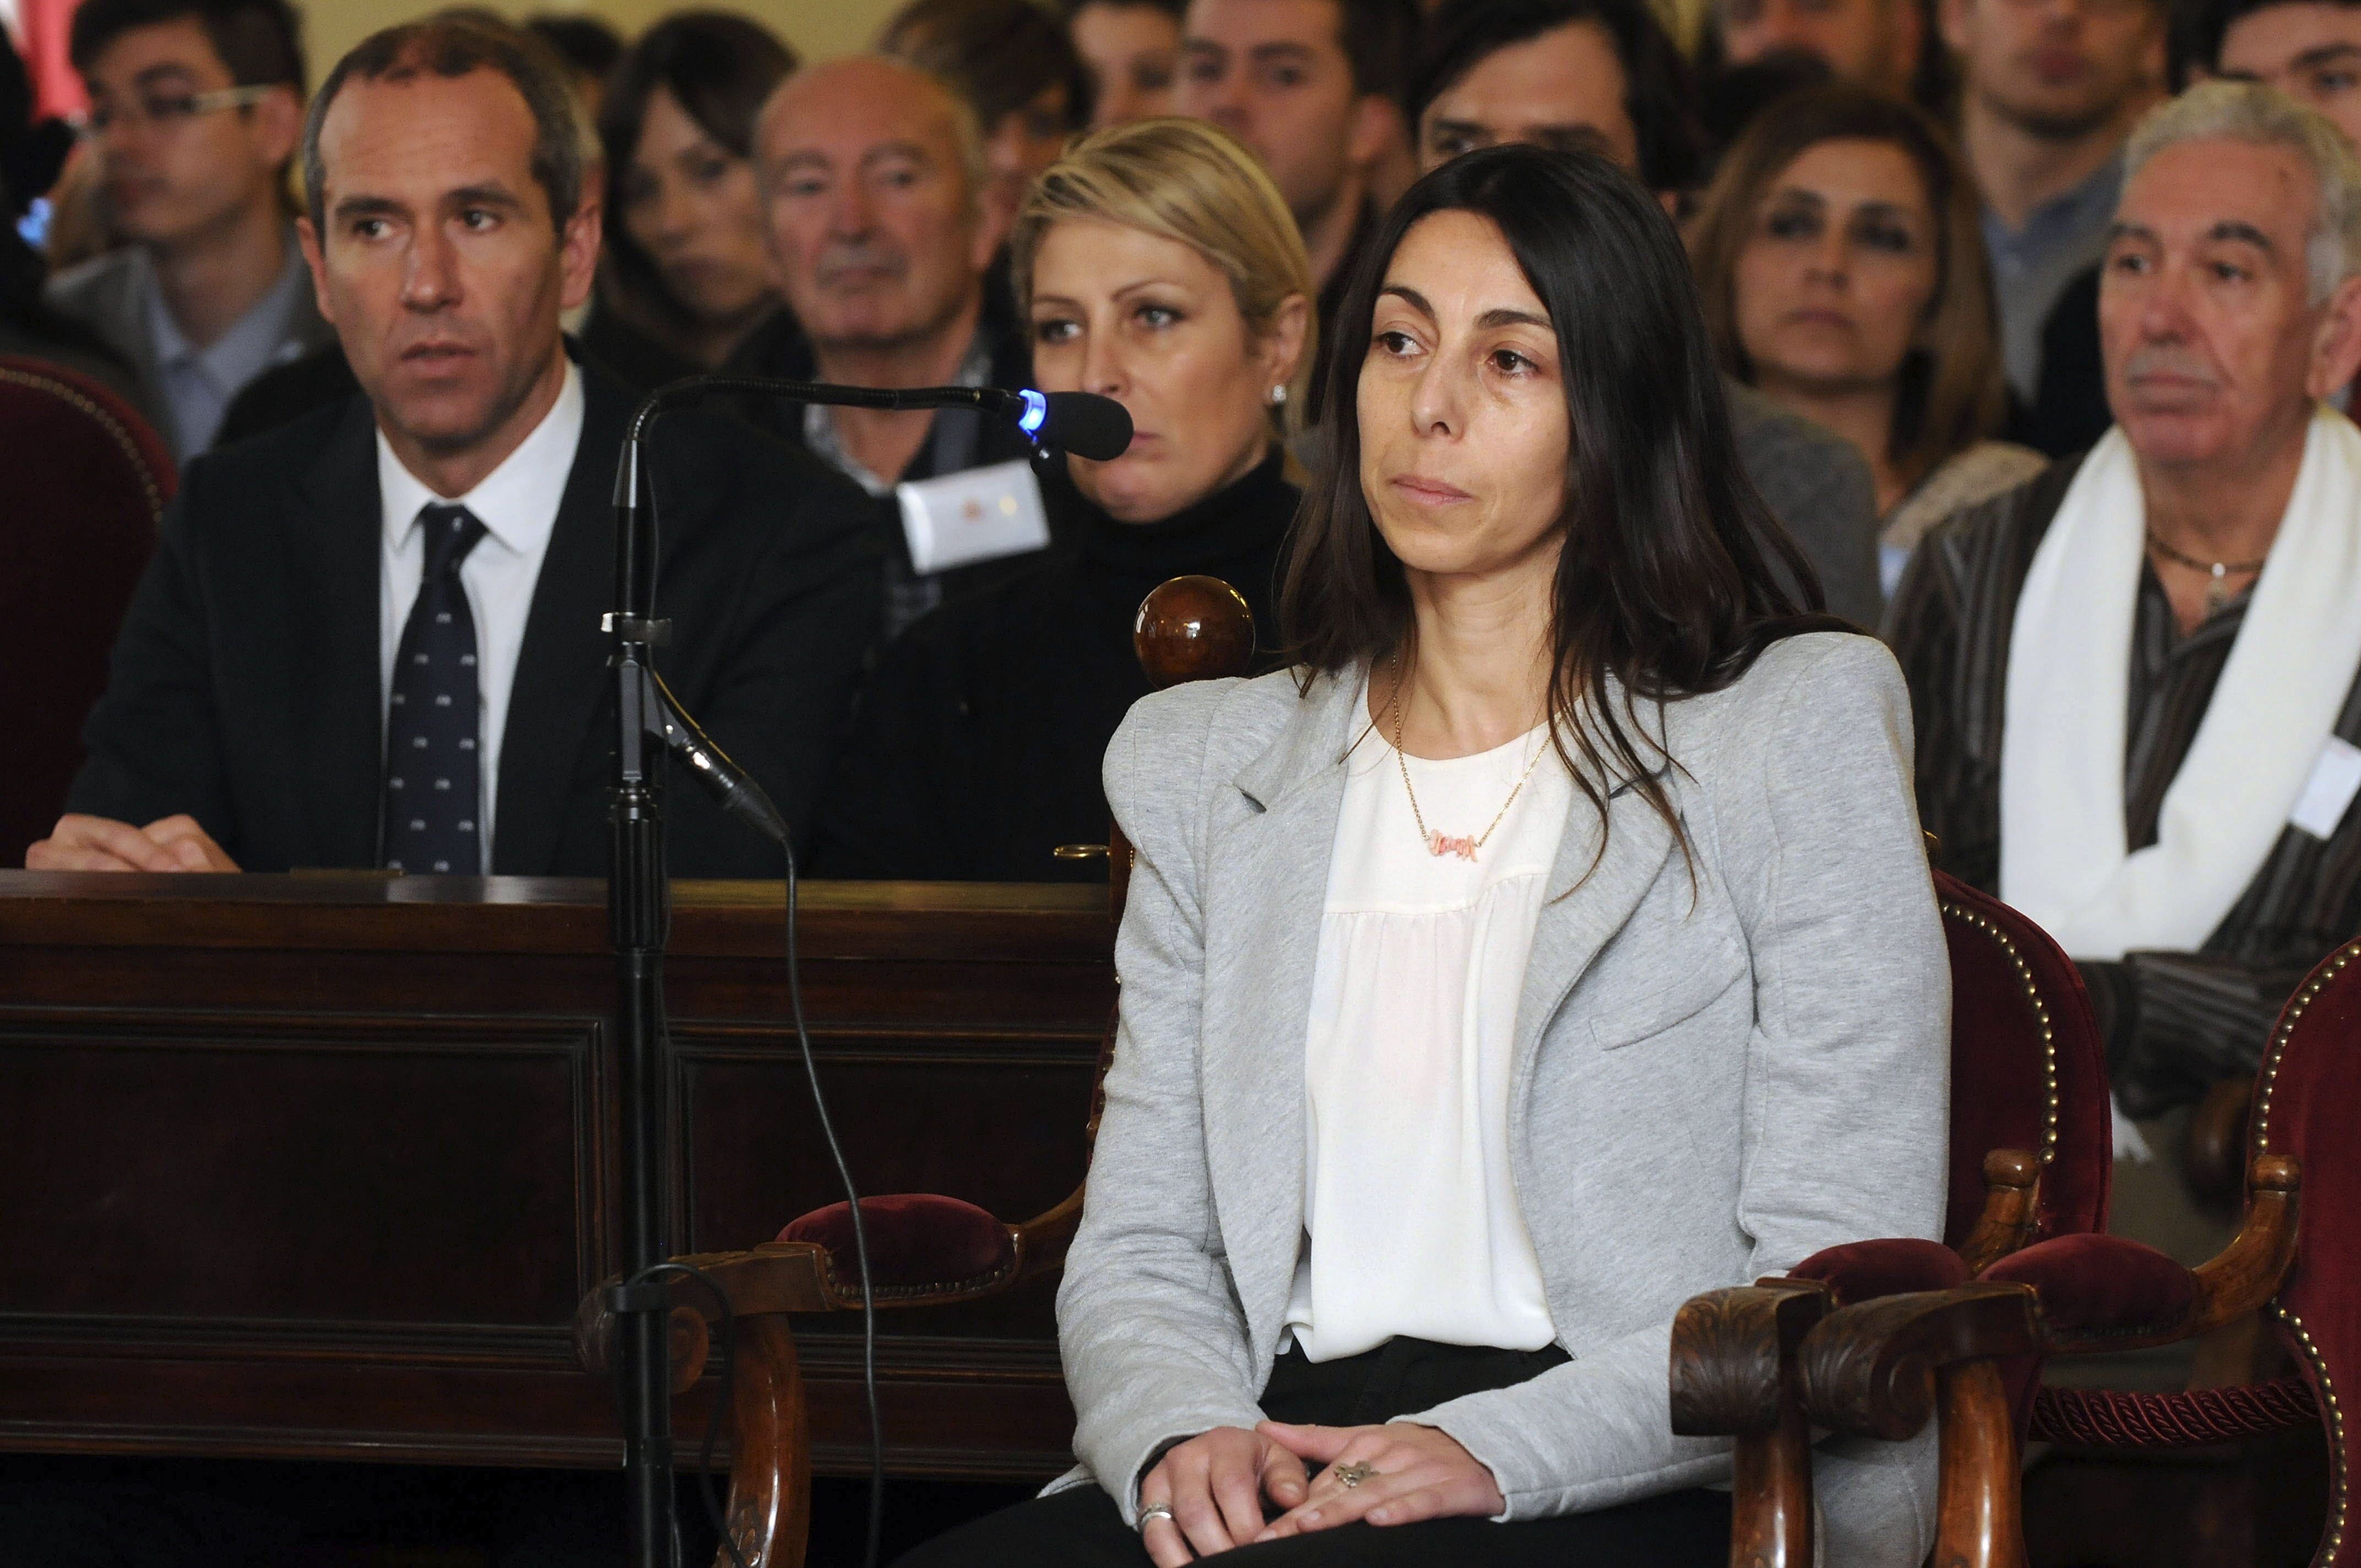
x,y
2063,855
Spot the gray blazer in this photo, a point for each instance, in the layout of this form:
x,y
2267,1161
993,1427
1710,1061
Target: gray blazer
x,y
109,294
1717,1074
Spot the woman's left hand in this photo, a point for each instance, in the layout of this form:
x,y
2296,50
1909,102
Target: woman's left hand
x,y
1412,1473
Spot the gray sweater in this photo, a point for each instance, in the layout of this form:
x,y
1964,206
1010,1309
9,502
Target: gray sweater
x,y
1724,1062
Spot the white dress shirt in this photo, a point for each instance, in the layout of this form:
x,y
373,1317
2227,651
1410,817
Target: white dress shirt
x,y
517,503
1409,1203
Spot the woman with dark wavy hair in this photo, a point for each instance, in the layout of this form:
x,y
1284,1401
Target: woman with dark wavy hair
x,y
687,261
1515,967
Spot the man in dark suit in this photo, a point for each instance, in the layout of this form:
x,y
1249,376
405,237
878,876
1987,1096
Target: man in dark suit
x,y
884,227
371,638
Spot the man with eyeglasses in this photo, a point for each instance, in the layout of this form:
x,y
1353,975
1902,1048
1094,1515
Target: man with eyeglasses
x,y
196,106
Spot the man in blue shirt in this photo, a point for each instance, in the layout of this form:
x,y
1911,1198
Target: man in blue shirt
x,y
195,107
2053,89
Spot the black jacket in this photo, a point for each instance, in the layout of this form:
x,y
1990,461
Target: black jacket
x,y
246,685
975,749
958,439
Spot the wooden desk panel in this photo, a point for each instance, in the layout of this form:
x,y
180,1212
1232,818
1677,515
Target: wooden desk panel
x,y
320,1166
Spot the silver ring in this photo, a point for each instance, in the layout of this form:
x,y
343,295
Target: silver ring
x,y
1351,1475
1154,1511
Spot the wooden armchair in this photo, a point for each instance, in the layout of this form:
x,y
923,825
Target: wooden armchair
x,y
1971,1357
2031,1154
924,1249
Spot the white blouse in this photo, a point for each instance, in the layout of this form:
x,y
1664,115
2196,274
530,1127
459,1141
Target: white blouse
x,y
1410,1209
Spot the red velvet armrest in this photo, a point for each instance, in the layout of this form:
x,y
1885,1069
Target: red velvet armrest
x,y
1863,1271
921,1246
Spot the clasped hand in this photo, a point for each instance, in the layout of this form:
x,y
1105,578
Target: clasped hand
x,y
80,843
1216,1485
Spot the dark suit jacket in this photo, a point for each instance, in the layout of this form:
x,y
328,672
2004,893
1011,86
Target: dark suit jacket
x,y
778,347
246,688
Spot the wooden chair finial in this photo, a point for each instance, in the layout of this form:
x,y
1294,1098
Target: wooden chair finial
x,y
1193,628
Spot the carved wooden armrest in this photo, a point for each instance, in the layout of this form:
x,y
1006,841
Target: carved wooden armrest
x,y
2011,1211
770,1447
1734,1373
1883,1366
1040,1243
2248,1272
1871,1368
779,1277
1732,1350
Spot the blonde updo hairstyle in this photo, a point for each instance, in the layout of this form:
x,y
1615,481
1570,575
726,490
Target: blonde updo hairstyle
x,y
1184,181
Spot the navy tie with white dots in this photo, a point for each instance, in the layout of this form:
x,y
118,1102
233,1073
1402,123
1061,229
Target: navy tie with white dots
x,y
434,730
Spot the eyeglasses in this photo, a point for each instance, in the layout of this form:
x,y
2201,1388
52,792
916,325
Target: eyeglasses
x,y
169,111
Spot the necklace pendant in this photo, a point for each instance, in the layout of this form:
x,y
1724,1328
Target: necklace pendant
x,y
1441,844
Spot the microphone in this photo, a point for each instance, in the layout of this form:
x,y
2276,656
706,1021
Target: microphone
x,y
1082,423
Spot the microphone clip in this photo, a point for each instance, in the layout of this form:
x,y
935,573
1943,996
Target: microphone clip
x,y
656,633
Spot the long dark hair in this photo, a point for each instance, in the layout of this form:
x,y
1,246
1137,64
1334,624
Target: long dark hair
x,y
720,67
1672,577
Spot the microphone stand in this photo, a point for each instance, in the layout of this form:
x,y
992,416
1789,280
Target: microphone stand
x,y
638,916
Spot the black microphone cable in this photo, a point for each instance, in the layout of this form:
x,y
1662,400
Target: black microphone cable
x,y
1080,422
737,793
859,1228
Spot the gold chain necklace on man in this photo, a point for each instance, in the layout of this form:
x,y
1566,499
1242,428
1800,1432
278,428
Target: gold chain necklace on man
x,y
2217,591
1439,844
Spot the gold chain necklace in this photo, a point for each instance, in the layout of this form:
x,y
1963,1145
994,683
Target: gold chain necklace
x,y
1441,844
2217,591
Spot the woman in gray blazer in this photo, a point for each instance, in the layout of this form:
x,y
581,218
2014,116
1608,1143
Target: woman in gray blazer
x,y
1553,943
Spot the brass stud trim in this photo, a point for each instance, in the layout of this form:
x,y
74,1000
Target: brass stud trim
x,y
2025,981
115,429
2331,1411
2267,1079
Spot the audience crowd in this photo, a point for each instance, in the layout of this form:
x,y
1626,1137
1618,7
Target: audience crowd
x,y
2034,317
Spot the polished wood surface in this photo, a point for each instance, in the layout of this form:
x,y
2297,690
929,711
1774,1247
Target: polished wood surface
x,y
1193,628
2012,1212
1734,1372
322,1166
1979,1516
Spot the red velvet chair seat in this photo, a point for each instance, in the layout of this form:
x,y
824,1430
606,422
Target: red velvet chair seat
x,y
1862,1271
918,1242
2094,1287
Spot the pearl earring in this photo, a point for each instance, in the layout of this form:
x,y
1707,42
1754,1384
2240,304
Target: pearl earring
x,y
1278,396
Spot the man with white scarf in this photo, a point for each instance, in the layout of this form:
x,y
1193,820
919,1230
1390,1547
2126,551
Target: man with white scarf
x,y
2133,676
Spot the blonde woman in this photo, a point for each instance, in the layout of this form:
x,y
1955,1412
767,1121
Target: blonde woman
x,y
1843,276
1158,267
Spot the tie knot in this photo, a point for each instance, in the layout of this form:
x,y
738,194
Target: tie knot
x,y
451,532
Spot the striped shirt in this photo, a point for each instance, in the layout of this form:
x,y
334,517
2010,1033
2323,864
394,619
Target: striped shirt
x,y
2175,1023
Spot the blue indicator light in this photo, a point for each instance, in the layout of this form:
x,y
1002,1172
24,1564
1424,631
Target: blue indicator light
x,y
1037,409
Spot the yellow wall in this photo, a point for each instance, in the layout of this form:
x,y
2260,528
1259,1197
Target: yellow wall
x,y
816,28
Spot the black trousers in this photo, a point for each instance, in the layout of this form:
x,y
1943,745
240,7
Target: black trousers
x,y
1080,1528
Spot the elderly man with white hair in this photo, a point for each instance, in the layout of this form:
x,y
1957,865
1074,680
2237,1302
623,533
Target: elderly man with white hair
x,y
2134,677
883,227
